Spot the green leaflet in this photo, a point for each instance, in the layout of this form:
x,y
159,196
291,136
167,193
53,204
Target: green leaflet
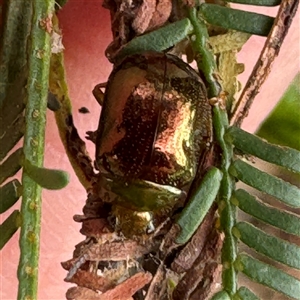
x,y
252,144
282,190
13,71
258,2
11,165
268,276
9,227
236,19
288,222
9,194
222,295
271,246
13,57
157,40
47,178
199,204
245,294
11,136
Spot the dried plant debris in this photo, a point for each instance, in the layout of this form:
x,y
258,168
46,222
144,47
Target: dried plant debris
x,y
131,18
106,265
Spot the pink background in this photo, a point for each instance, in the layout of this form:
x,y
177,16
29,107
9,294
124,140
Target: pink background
x,y
86,34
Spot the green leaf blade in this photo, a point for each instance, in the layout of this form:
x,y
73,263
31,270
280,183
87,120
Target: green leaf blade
x,y
257,2
47,178
270,246
245,294
9,227
251,144
290,223
9,194
282,190
11,136
237,19
11,165
222,295
13,51
199,204
269,276
157,40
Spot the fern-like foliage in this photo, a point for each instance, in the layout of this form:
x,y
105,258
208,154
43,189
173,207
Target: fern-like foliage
x,y
24,59
277,249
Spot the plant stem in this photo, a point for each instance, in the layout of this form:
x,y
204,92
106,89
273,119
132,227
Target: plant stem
x,y
37,88
226,208
204,58
262,69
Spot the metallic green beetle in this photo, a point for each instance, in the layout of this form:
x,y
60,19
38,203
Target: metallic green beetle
x,y
154,128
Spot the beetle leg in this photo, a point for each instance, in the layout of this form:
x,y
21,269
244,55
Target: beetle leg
x,y
98,94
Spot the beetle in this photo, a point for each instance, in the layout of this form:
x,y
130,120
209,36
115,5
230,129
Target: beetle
x,y
155,131
154,128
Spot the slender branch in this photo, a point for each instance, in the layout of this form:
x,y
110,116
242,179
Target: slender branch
x,y
74,146
287,11
204,57
226,208
37,88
